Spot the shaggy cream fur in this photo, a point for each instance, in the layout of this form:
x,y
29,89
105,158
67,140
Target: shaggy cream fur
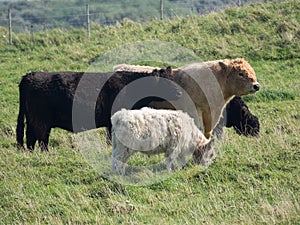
x,y
134,68
151,131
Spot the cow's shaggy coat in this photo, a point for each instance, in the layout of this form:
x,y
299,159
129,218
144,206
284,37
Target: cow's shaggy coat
x,y
47,98
151,131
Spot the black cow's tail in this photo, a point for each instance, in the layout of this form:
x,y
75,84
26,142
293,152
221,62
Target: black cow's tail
x,y
21,116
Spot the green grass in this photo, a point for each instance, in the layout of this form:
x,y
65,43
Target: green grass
x,y
251,181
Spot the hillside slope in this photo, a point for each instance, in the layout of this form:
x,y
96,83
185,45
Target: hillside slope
x,y
38,15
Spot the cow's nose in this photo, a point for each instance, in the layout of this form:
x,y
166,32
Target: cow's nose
x,y
256,87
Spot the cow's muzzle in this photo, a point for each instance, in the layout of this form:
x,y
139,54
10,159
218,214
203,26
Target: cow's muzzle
x,y
256,87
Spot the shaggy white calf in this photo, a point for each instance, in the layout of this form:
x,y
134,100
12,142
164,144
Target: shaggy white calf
x,y
152,131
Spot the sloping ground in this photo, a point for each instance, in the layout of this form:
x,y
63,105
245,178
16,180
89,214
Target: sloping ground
x,y
40,15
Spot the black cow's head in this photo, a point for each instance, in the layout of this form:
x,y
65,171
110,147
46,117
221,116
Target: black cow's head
x,y
249,124
241,119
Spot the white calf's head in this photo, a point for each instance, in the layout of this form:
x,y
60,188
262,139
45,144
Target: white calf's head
x,y
204,155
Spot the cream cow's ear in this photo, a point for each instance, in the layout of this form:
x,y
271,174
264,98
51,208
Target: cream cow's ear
x,y
224,64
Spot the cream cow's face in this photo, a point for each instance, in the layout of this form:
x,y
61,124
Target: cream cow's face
x,y
241,78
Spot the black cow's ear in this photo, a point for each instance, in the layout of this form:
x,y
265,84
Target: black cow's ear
x,y
162,71
169,70
155,72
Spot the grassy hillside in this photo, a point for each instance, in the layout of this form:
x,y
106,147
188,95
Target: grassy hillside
x,y
38,15
252,180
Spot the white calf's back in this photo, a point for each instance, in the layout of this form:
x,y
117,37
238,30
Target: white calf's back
x,y
146,129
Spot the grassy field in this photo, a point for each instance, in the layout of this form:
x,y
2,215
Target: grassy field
x,y
251,181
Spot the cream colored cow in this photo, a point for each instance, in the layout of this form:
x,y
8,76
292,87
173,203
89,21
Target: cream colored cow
x,y
210,85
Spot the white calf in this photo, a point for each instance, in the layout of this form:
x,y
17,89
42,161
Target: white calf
x,y
151,131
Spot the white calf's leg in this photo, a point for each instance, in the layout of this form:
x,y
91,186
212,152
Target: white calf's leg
x,y
171,157
120,155
182,160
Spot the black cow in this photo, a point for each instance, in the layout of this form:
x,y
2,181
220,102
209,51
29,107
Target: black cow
x,y
240,118
57,99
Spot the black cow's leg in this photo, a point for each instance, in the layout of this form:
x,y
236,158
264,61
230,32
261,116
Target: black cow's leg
x,y
44,138
43,146
30,137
